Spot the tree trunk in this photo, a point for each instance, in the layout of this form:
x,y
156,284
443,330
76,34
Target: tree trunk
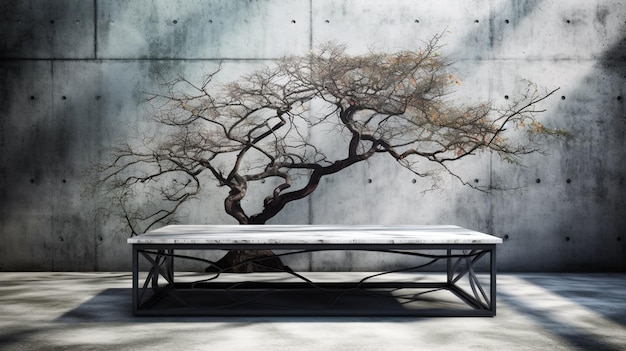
x,y
246,261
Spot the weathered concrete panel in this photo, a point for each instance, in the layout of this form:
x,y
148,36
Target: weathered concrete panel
x,y
564,210
212,29
553,29
26,190
569,203
405,24
81,129
47,29
532,29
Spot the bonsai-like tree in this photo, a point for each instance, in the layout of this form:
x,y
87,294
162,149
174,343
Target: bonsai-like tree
x,y
257,130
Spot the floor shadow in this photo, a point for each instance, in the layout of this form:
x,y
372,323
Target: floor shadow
x,y
115,305
111,305
602,293
577,337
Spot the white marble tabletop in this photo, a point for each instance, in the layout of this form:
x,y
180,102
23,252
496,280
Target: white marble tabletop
x,y
313,234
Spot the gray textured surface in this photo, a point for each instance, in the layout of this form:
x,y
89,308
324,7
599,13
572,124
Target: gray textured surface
x,y
74,72
92,311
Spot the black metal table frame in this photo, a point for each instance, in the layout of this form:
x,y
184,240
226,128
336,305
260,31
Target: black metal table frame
x,y
160,257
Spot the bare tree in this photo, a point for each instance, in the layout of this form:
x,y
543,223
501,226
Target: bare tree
x,y
257,129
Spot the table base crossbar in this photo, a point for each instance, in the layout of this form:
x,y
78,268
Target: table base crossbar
x,y
467,288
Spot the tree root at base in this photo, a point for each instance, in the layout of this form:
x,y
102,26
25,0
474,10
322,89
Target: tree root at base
x,y
249,261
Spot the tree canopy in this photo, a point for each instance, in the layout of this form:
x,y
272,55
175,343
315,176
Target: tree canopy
x,y
258,128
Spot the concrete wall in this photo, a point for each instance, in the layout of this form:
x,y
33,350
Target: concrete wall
x,y
73,72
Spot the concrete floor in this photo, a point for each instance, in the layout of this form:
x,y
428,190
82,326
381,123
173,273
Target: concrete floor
x,y
59,311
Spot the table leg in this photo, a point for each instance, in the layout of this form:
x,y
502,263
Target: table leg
x,y
464,268
449,270
135,278
493,270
